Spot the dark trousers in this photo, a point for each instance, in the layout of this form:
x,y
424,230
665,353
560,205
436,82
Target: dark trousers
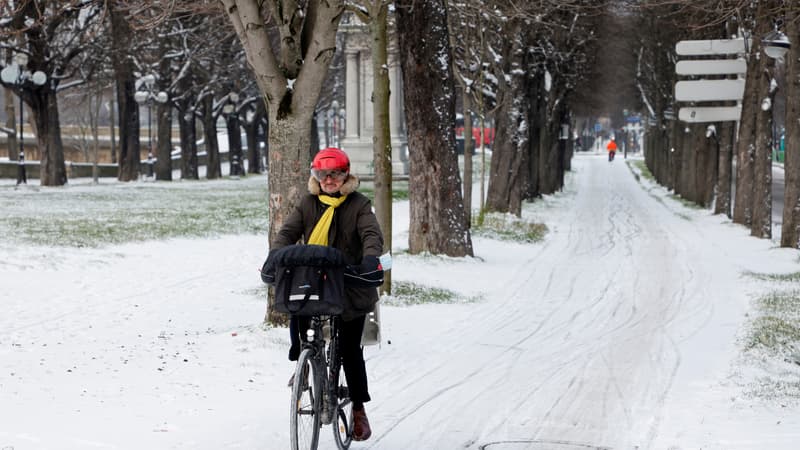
x,y
355,371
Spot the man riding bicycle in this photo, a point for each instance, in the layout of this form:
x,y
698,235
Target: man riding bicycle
x,y
333,213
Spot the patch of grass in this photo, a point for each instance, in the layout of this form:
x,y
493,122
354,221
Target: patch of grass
x,y
774,335
779,389
771,343
97,215
506,227
781,303
399,190
780,277
686,203
407,294
775,331
643,170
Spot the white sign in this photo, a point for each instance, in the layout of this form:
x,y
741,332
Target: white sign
x,y
710,114
709,90
712,67
710,47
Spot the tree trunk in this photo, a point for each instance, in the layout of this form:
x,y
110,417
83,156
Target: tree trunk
x,y
762,169
251,137
724,169
163,167
234,144
11,124
186,124
382,143
707,173
437,222
508,179
213,169
536,115
790,229
129,153
469,149
112,118
251,128
52,171
745,148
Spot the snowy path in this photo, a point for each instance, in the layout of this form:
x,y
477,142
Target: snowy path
x,y
616,332
582,340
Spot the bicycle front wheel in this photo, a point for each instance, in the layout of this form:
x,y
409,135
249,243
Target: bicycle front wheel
x,y
343,416
304,419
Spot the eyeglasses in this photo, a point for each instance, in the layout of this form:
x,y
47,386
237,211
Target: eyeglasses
x,y
336,174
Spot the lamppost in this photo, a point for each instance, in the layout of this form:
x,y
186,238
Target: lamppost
x,y
775,44
333,114
143,97
17,74
228,109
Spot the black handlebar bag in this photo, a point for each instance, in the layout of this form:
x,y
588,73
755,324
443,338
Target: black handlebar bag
x,y
308,279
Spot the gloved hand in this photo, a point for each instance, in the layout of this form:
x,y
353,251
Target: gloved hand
x,y
268,270
367,274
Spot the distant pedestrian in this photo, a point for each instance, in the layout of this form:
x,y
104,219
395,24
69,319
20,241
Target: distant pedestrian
x,y
150,162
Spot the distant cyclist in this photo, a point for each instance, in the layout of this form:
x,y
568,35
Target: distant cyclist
x,y
612,149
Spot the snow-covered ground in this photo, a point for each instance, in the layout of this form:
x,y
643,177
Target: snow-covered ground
x,y
620,330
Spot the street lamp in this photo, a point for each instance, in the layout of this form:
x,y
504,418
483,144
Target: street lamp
x,y
333,113
776,44
147,97
17,74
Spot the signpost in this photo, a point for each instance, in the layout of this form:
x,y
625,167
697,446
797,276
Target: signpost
x,y
711,67
709,90
704,90
696,114
710,47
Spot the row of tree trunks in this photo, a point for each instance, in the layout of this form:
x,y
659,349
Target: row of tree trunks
x,y
508,179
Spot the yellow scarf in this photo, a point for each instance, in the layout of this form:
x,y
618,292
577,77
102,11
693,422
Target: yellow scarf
x,y
319,236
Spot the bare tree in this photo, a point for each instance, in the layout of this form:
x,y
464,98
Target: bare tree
x,y
55,37
290,80
437,217
122,41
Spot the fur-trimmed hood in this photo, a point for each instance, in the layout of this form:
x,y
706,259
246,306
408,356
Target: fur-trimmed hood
x,y
350,185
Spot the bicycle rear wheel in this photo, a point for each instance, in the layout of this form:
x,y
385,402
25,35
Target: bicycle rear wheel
x,y
304,419
343,416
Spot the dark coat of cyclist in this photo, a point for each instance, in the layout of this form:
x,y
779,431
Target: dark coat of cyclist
x,y
353,230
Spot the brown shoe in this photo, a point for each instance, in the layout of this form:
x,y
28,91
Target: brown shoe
x,y
361,429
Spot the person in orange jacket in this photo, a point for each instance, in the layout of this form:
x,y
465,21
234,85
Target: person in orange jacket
x,y
612,149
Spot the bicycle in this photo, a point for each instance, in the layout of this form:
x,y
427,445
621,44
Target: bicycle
x,y
309,282
319,392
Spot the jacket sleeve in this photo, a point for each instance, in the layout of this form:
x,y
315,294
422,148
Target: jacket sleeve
x,y
292,229
369,231
290,233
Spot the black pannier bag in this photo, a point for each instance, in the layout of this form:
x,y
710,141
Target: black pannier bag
x,y
308,279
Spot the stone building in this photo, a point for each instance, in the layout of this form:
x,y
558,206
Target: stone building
x,y
359,126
